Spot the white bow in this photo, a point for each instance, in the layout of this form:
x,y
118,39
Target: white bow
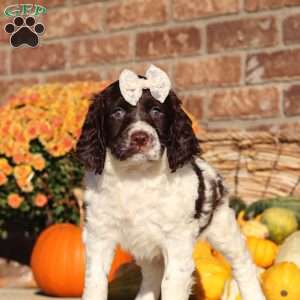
x,y
157,81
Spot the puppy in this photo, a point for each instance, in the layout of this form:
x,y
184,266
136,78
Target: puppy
x,y
148,190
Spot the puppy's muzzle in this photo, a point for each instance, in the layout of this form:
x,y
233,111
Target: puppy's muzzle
x,y
139,139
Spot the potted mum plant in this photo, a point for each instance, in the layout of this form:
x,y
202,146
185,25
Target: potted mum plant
x,y
38,174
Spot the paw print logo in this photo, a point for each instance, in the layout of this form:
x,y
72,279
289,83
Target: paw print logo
x,y
24,32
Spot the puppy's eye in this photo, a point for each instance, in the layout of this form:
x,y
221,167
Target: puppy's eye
x,y
155,112
118,113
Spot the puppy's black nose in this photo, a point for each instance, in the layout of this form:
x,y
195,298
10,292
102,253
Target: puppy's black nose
x,y
140,138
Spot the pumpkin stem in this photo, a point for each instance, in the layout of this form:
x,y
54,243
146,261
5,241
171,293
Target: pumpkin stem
x,y
78,193
283,293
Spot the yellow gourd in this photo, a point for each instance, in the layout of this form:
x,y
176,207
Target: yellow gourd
x,y
255,228
204,250
212,276
212,271
263,252
241,221
240,218
282,282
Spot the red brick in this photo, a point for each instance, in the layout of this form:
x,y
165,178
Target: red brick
x,y
131,13
271,128
239,34
256,5
291,29
10,87
4,62
45,57
194,103
74,21
283,126
50,3
244,103
169,42
208,71
289,128
276,65
82,1
192,9
100,50
113,72
4,37
86,75
5,3
292,100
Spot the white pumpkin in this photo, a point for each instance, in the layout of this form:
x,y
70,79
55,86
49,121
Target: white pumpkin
x,y
289,251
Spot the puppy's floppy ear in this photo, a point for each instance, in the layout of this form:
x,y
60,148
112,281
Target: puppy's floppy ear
x,y
91,146
182,144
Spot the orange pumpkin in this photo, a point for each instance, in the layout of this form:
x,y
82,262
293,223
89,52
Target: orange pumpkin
x,y
121,257
58,261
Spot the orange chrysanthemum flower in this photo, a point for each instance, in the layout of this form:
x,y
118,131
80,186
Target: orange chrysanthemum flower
x,y
5,167
14,200
40,200
19,158
23,175
37,161
3,178
25,184
32,130
67,143
22,171
45,130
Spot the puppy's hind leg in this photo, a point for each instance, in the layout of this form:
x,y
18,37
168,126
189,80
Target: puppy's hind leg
x,y
152,273
225,236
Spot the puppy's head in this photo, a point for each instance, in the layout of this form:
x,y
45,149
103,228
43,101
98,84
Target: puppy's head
x,y
135,133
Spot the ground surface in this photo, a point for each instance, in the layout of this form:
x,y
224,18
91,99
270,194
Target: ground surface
x,y
26,294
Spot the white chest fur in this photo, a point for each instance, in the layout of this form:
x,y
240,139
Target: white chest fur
x,y
140,207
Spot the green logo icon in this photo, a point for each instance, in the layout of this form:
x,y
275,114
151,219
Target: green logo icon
x,y
24,30
24,9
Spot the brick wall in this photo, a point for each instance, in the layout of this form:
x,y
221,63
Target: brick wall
x,y
235,63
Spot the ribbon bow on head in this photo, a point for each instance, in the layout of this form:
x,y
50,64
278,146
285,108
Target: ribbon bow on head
x,y
157,81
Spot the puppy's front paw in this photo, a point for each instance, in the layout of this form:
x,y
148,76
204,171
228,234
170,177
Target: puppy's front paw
x,y
85,297
93,296
148,296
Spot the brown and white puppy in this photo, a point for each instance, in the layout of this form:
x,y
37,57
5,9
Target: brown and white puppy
x,y
148,190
